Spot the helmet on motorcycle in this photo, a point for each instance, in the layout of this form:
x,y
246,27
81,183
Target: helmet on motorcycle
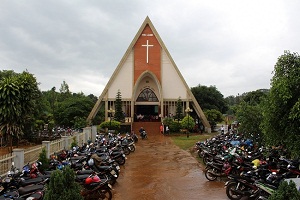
x,y
91,162
59,166
38,164
272,177
88,181
96,179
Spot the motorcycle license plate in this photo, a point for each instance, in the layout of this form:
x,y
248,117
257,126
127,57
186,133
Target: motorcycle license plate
x,y
112,172
118,167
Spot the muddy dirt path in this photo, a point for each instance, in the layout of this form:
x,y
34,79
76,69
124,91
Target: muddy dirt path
x,y
158,169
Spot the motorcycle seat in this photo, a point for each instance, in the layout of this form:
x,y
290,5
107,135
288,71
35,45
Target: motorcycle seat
x,y
29,189
31,181
81,172
81,178
77,158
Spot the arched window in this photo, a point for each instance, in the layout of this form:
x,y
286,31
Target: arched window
x,y
147,95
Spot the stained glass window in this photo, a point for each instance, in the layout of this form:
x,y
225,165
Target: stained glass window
x,y
147,95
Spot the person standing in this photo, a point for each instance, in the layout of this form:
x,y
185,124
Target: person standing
x,y
167,129
161,129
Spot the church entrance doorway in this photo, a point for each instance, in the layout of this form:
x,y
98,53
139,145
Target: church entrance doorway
x,y
147,113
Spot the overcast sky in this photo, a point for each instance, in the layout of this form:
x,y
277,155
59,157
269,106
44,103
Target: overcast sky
x,y
232,45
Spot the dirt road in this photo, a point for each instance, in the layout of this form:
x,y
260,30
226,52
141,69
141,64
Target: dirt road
x,y
158,169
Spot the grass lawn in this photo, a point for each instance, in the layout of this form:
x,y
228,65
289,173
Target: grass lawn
x,y
188,144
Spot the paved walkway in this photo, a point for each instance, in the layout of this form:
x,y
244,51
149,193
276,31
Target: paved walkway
x,y
158,169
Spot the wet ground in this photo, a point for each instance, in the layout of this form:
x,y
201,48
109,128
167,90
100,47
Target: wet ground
x,y
158,169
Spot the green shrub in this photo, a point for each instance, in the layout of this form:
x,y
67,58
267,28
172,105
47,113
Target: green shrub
x,y
188,123
286,191
62,186
111,125
74,143
44,160
174,126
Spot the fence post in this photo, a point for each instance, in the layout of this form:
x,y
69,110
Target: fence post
x,y
18,158
46,145
87,133
94,133
66,142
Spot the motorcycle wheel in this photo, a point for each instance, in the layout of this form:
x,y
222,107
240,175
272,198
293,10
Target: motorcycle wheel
x,y
230,191
112,180
135,139
205,159
132,148
105,194
209,175
120,160
101,194
126,151
200,154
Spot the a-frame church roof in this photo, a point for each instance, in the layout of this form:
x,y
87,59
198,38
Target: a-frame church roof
x,y
104,94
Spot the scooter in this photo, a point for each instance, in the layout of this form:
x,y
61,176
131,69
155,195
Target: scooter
x,y
144,135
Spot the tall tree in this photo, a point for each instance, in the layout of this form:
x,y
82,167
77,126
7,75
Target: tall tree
x,y
179,113
254,97
19,96
210,98
213,116
281,110
119,115
64,91
71,110
250,117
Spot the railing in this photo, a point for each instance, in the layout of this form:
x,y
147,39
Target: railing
x,y
57,145
5,163
32,155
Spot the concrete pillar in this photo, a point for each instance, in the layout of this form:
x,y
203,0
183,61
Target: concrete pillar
x,y
66,142
94,133
88,133
19,158
46,145
208,130
78,139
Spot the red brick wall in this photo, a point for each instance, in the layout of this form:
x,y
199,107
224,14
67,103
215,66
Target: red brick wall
x,y
140,55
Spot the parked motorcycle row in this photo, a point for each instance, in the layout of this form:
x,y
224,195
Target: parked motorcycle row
x,y
96,165
251,171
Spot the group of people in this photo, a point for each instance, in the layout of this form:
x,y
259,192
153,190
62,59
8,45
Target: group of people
x,y
164,131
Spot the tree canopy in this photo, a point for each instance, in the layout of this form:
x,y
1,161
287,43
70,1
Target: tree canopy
x,y
281,110
19,97
210,98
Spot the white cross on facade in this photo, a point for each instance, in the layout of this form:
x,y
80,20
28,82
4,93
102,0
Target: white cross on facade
x,y
147,46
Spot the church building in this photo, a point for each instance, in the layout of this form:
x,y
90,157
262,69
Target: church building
x,y
150,84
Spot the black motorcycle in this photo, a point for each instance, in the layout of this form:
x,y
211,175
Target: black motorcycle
x,y
144,135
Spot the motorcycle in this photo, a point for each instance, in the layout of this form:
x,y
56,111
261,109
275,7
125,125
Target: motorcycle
x,y
95,188
144,135
239,186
